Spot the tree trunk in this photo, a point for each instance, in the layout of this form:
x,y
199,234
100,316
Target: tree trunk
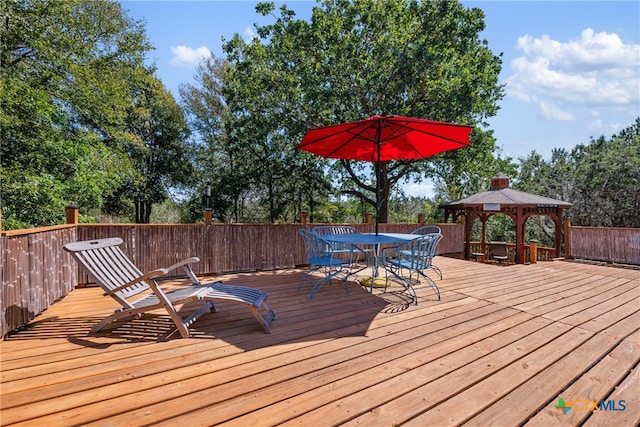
x,y
383,214
143,212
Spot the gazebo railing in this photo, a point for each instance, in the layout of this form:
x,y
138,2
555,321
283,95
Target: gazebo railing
x,y
542,253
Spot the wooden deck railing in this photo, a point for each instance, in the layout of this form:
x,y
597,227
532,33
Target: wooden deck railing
x,y
619,245
35,271
224,248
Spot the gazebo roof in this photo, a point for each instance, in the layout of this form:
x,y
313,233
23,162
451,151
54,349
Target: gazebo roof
x,y
501,194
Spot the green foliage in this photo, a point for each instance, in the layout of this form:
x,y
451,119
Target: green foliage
x,y
67,70
167,212
355,59
84,122
404,209
262,96
601,179
157,147
216,160
606,181
542,229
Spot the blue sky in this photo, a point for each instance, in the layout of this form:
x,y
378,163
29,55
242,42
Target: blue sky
x,y
571,68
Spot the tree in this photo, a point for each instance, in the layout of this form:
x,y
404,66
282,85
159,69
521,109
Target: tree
x,y
606,185
67,70
217,163
355,59
158,149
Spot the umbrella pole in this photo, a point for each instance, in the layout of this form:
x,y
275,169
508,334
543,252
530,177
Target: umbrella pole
x,y
377,195
378,136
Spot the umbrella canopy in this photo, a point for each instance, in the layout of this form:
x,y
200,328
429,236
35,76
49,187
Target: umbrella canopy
x,y
383,138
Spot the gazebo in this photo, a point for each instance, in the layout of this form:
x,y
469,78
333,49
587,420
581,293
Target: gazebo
x,y
500,199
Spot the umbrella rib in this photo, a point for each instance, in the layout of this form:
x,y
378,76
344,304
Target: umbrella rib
x,y
347,142
356,132
397,135
358,127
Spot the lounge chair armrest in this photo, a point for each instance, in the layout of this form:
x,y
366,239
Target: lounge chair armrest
x,y
164,271
139,279
155,273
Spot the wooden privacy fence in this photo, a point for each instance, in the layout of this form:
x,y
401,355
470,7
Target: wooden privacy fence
x,y
35,270
619,245
226,248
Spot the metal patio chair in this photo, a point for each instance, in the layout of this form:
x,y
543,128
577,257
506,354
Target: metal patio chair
x,y
427,229
322,257
430,229
355,252
498,251
409,262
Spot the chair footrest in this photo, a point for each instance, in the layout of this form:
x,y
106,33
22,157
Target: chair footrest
x,y
251,296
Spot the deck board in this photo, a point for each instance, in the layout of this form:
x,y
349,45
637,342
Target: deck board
x,y
499,348
600,379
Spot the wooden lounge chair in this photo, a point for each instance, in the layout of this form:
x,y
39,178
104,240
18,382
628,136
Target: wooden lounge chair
x,y
138,293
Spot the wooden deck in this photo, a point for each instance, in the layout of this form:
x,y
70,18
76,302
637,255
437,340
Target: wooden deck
x,y
500,348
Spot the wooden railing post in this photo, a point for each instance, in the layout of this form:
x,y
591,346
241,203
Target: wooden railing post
x,y
303,217
467,238
72,214
533,251
208,216
369,218
421,218
567,239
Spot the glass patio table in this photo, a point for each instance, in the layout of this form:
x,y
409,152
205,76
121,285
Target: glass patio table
x,y
371,239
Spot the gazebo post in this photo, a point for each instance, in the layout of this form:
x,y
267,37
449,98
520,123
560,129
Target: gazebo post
x,y
465,223
483,240
557,219
520,232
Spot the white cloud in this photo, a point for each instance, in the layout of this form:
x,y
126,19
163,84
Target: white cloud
x,y
552,111
188,57
599,127
423,189
596,70
248,35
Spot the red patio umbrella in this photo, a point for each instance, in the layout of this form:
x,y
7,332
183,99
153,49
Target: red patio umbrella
x,y
383,138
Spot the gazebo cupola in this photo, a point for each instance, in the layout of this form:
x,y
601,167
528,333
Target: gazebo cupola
x,y
499,182
501,199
